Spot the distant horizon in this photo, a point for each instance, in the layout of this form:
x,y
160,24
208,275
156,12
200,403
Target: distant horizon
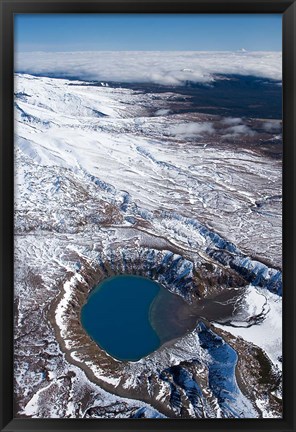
x,y
161,67
147,32
151,51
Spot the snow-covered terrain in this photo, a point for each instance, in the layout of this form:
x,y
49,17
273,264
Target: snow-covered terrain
x,y
111,180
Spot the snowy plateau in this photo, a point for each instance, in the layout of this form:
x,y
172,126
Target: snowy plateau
x,y
120,179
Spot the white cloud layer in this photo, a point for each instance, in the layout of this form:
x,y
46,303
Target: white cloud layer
x,y
240,130
232,121
192,129
171,68
272,126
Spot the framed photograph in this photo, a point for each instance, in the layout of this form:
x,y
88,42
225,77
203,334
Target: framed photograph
x,y
147,219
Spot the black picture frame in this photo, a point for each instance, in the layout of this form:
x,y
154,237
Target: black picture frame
x,y
10,7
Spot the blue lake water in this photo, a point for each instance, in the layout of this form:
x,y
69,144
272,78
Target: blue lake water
x,y
116,316
132,316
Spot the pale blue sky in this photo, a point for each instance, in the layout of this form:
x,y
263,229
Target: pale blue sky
x,y
148,32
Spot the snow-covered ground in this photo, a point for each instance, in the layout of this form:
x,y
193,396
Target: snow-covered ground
x,y
266,334
98,131
107,174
